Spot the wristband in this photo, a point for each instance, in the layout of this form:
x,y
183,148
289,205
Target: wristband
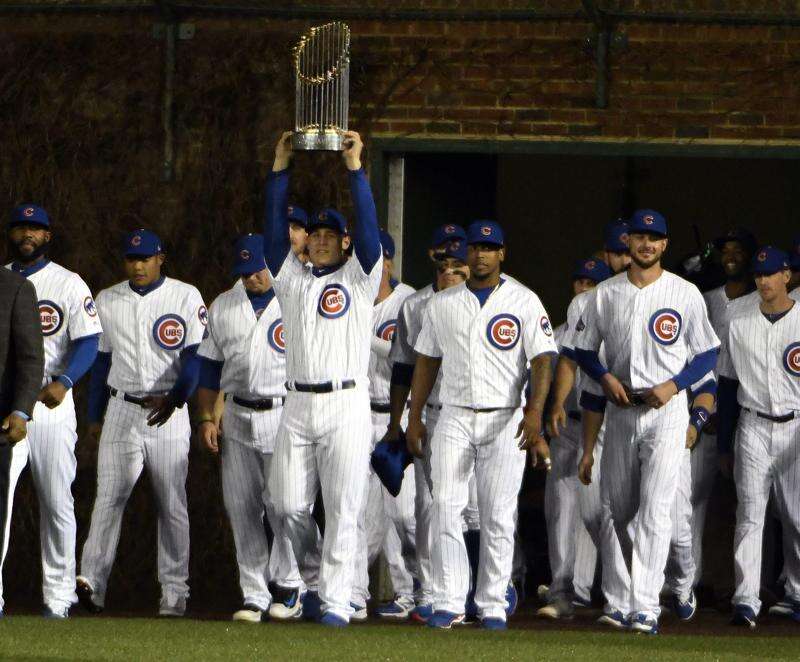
x,y
205,419
698,417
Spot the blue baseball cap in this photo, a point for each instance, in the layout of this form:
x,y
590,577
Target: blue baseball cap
x,y
388,245
794,255
769,260
447,232
615,237
142,242
389,461
485,232
249,255
593,269
27,214
328,218
297,215
457,249
648,221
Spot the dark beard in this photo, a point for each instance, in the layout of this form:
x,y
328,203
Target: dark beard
x,y
644,265
18,256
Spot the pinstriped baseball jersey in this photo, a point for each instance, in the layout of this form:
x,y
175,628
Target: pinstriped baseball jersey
x,y
720,308
146,333
765,358
649,333
327,319
561,332
384,328
67,311
574,327
795,294
252,348
485,350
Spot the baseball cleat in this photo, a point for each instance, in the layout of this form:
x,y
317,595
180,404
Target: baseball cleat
x,y
744,616
312,606
493,624
581,603
543,593
645,624
421,613
359,614
172,608
55,614
250,614
333,620
399,609
512,599
782,608
84,591
558,609
685,611
286,603
444,620
614,619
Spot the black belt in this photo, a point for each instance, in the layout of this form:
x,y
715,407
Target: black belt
x,y
142,402
259,405
574,415
775,419
380,408
487,410
320,387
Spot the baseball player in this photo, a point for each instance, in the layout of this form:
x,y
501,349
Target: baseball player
x,y
474,331
450,257
759,386
565,529
380,509
243,355
152,327
298,231
71,332
325,433
615,246
658,341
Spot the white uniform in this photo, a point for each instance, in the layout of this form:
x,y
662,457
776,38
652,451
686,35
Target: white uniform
x,y
252,349
380,509
325,438
67,313
649,334
571,552
145,335
765,358
483,370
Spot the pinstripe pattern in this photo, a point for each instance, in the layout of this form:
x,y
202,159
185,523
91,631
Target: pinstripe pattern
x,y
67,313
643,452
681,570
758,354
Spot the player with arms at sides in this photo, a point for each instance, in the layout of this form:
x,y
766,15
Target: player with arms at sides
x,y
657,341
325,434
759,401
148,365
484,335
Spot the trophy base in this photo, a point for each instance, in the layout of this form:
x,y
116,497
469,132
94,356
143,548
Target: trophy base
x,y
316,141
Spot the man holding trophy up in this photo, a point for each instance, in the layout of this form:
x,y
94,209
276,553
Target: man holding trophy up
x,y
324,439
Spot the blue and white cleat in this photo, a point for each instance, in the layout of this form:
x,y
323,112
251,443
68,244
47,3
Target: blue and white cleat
x,y
287,603
312,606
444,620
332,620
643,623
421,613
493,624
744,616
685,611
359,614
57,614
512,599
615,619
398,609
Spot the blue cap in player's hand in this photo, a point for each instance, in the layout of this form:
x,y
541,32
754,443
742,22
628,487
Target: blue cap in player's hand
x,y
389,461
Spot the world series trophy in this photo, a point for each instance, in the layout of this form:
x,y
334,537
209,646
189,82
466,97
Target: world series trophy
x,y
322,87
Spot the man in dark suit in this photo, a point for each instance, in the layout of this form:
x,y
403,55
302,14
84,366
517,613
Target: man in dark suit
x,y
21,374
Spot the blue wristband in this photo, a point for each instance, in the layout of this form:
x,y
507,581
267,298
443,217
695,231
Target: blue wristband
x,y
698,418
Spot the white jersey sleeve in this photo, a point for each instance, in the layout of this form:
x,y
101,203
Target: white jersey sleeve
x,y
537,330
427,342
105,339
196,317
83,318
209,348
700,335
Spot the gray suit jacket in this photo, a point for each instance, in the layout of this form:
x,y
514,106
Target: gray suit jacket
x,y
21,350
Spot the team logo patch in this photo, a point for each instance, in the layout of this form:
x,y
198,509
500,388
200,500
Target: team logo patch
x,y
791,359
334,301
547,328
581,325
665,326
449,229
276,337
591,264
202,315
486,230
648,220
624,237
51,317
244,254
28,211
169,331
136,240
387,330
503,331
762,256
89,307
323,216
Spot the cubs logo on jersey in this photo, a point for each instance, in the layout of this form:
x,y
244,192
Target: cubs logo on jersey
x,y
791,359
547,328
51,317
334,301
503,331
202,315
89,307
386,330
276,337
665,326
169,331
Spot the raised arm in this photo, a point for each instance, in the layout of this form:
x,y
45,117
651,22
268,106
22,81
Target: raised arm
x,y
366,239
276,224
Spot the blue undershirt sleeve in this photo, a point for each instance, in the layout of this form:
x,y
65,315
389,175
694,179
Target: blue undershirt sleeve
x,y
695,369
276,224
188,376
98,389
589,361
83,352
210,374
366,239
